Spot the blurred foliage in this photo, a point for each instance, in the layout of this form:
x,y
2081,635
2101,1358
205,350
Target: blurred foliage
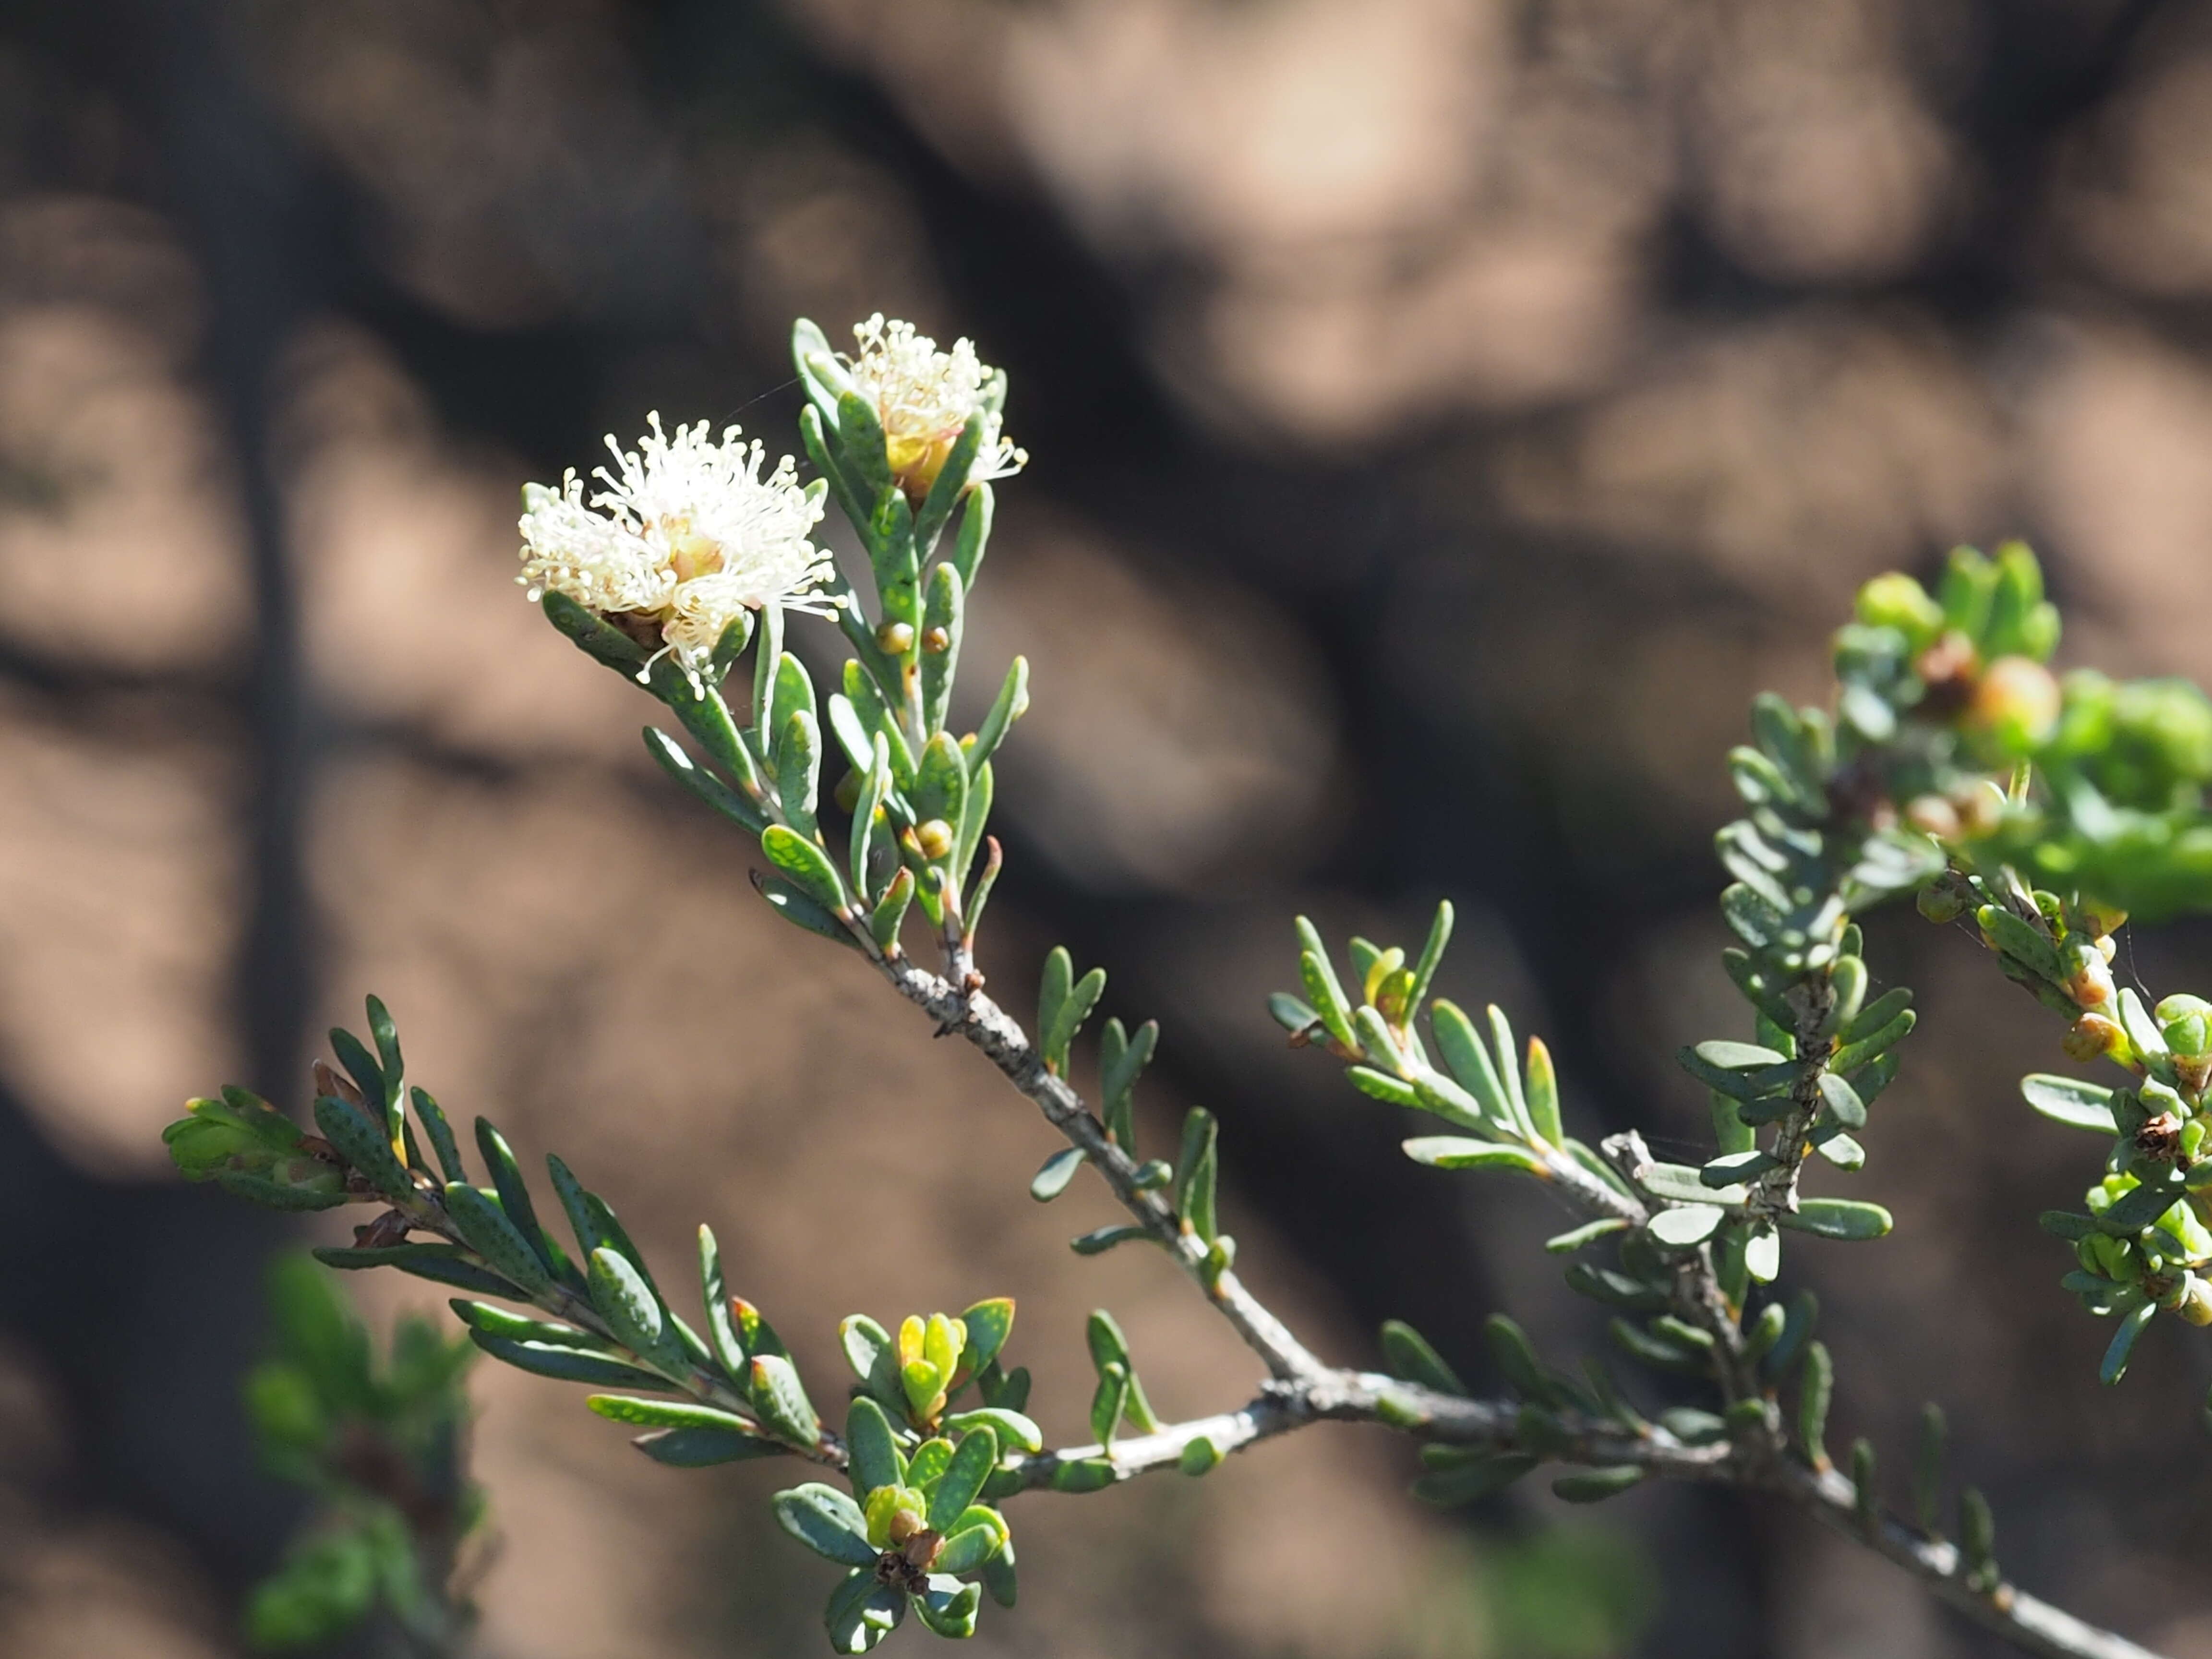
x,y
380,1440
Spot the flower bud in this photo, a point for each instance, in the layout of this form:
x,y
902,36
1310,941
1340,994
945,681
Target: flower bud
x,y
1944,900
936,641
1981,808
1896,600
2093,1036
934,838
2017,703
2088,981
896,637
2196,1301
1932,815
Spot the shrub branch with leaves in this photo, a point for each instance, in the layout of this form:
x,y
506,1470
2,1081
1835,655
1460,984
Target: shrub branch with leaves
x,y
1954,766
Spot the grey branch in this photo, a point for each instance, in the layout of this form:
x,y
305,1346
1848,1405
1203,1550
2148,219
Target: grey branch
x,y
1303,1390
1346,1396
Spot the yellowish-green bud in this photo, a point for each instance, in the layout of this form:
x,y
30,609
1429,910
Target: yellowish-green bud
x,y
2093,1036
934,838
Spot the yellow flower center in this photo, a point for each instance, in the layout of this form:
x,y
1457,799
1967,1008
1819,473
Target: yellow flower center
x,y
690,553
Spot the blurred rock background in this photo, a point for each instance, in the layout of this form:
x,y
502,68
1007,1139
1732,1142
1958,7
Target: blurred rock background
x,y
1446,414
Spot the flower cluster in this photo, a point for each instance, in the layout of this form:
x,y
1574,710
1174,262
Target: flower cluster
x,y
925,397
685,537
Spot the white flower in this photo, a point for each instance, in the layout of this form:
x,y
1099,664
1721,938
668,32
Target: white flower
x,y
686,535
924,397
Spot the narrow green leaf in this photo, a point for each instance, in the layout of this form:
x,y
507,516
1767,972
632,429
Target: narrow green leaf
x,y
1195,1172
1051,1180
363,1147
827,1522
1407,1356
485,1229
874,1454
1011,703
1837,1218
1815,1388
1543,1095
972,1459
808,867
2077,1104
565,1364
1457,1153
1928,1469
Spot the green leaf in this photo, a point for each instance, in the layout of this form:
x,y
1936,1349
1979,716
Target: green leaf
x,y
1798,1325
1468,1061
975,533
1686,1225
595,639
875,1460
801,909
1010,1427
1457,1153
665,1414
1121,1061
722,1333
1842,1101
1051,1179
884,921
1321,986
1815,1388
565,1364
827,1522
972,1459
875,781
1105,1238
2077,1104
1053,986
940,787
1852,1055
1928,1469
441,1264
1107,1402
1543,1094
988,1323
1407,1356
1515,1357
1196,1170
798,772
1381,1086
1199,1457
951,480
1596,1485
781,1401
1067,1019
630,1306
807,865
1468,1482
440,1133
969,1548
1011,703
485,1229
518,1328
704,784
949,1611
1837,1218
1432,954
702,1448
862,1612
942,606
2115,1365
364,1148
1588,1233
